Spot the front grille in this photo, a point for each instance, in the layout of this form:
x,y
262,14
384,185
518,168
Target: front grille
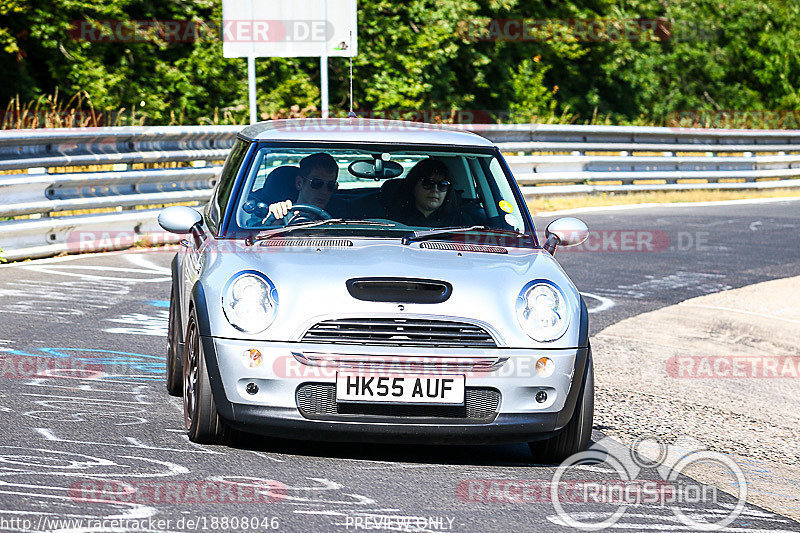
x,y
400,332
318,401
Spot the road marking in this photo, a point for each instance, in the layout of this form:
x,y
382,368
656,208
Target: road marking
x,y
605,303
60,300
140,260
700,282
83,399
48,435
61,271
324,485
48,260
654,520
265,456
141,324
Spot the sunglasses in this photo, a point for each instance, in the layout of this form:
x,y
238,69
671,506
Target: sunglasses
x,y
317,183
428,184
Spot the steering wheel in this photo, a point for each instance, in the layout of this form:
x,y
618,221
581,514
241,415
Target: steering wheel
x,y
300,213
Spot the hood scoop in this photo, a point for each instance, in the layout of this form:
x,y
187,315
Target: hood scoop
x,y
461,247
318,243
399,290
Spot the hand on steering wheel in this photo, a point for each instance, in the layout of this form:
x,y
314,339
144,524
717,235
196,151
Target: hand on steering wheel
x,y
290,213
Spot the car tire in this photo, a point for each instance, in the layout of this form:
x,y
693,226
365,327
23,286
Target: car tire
x,y
201,419
576,435
174,355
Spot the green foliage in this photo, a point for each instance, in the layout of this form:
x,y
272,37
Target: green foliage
x,y
721,64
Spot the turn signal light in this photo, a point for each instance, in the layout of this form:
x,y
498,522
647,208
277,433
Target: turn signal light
x,y
252,358
545,367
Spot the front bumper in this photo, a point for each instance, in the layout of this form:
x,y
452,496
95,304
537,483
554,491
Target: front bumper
x,y
274,411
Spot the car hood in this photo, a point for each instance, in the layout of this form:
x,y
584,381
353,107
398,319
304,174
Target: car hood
x,y
311,283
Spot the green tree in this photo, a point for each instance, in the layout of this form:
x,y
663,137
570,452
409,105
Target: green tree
x,y
421,55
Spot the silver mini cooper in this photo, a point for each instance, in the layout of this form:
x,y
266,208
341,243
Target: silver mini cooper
x,y
376,281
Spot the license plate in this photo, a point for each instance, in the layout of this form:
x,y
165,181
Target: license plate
x,y
400,389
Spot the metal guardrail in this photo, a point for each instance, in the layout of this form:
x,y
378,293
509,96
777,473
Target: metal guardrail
x,y
546,160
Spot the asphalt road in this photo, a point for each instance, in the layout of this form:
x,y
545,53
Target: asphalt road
x,y
70,445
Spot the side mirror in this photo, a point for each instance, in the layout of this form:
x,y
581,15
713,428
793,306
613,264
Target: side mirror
x,y
566,231
179,219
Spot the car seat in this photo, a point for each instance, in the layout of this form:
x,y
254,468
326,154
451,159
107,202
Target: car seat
x,y
280,185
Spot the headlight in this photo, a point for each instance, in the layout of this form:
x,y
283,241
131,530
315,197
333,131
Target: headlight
x,y
250,302
542,311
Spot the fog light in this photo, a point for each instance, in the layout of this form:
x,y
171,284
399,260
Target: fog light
x,y
251,388
545,367
252,358
541,396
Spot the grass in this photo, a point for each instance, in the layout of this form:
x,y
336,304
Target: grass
x,y
55,111
557,203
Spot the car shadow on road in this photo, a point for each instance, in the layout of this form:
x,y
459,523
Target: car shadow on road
x,y
509,455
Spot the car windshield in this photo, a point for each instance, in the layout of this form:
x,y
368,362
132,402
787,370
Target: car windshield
x,y
391,190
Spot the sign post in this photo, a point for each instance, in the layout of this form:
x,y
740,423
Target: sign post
x,y
323,68
289,28
251,87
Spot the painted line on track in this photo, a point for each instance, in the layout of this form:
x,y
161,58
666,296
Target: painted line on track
x,y
605,303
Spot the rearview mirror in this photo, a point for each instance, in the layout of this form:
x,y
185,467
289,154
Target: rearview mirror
x,y
377,169
567,231
179,219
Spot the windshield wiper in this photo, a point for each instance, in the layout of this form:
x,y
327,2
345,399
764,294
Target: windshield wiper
x,y
424,235
315,224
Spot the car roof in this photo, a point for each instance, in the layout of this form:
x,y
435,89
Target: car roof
x,y
359,130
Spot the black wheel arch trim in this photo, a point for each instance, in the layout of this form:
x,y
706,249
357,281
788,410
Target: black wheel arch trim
x,y
178,311
581,358
200,306
583,332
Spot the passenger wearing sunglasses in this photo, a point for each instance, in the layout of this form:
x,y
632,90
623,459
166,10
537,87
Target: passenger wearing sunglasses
x,y
426,197
316,183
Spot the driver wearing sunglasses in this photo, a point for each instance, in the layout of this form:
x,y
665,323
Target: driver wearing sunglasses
x,y
315,184
426,197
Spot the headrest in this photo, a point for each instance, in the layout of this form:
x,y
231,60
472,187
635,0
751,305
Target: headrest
x,y
391,186
281,184
389,191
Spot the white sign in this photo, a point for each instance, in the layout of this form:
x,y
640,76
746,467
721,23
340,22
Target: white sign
x,y
289,28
